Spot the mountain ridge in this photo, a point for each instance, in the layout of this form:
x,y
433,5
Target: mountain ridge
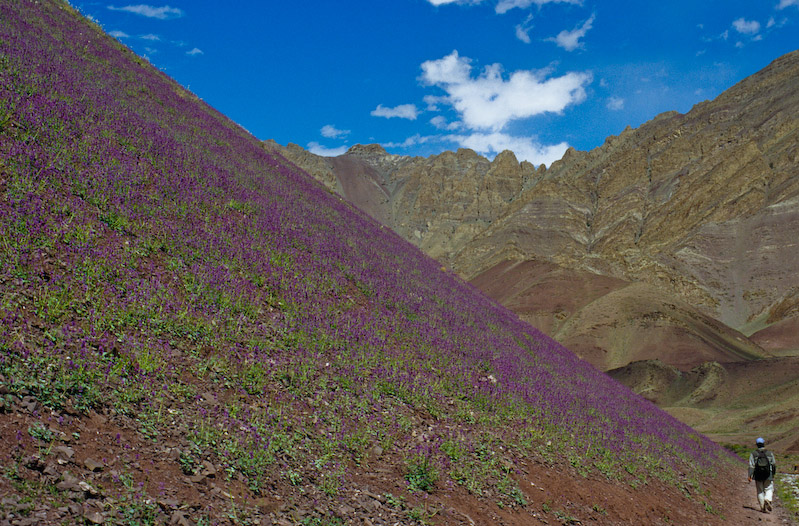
x,y
605,210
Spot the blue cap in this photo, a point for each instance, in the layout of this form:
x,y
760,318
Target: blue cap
x,y
760,441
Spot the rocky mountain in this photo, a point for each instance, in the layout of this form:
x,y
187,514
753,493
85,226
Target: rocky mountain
x,y
674,241
440,203
701,205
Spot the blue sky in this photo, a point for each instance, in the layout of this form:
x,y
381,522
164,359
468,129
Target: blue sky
x,y
424,76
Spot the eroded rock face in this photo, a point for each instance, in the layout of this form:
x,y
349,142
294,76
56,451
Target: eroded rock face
x,y
703,204
702,207
438,203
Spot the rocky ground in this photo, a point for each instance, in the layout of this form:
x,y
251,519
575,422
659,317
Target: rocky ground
x,y
103,469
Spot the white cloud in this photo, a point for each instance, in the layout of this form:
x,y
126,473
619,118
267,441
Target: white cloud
x,y
460,2
318,149
787,3
570,40
194,52
523,34
503,6
403,111
525,148
151,37
746,27
506,5
411,141
440,122
331,132
451,69
523,29
489,102
615,103
161,13
432,102
119,34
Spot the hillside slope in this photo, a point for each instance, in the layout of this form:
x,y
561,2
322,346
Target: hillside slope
x,y
611,322
195,331
727,401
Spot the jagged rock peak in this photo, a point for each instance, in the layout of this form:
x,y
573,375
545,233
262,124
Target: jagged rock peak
x,y
506,157
273,145
467,152
367,150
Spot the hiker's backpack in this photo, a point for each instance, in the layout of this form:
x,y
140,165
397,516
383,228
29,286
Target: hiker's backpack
x,y
762,466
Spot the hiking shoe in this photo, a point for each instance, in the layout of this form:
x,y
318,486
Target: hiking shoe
x,y
768,506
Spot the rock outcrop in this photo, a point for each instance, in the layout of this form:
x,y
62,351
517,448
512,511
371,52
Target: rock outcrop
x,y
439,203
703,204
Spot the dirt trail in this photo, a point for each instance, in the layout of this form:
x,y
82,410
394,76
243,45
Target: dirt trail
x,y
749,512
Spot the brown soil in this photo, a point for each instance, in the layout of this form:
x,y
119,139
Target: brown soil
x,y
100,469
610,322
780,338
543,293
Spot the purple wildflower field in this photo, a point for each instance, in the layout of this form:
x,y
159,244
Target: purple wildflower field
x,y
150,247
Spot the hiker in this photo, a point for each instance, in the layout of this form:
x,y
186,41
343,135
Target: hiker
x,y
762,467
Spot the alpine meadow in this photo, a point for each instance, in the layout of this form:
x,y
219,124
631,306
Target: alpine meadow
x,y
195,331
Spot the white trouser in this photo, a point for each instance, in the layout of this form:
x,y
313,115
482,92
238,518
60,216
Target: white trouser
x,y
765,490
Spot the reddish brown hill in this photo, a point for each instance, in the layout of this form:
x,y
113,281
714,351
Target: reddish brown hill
x,y
543,293
611,322
729,402
779,338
